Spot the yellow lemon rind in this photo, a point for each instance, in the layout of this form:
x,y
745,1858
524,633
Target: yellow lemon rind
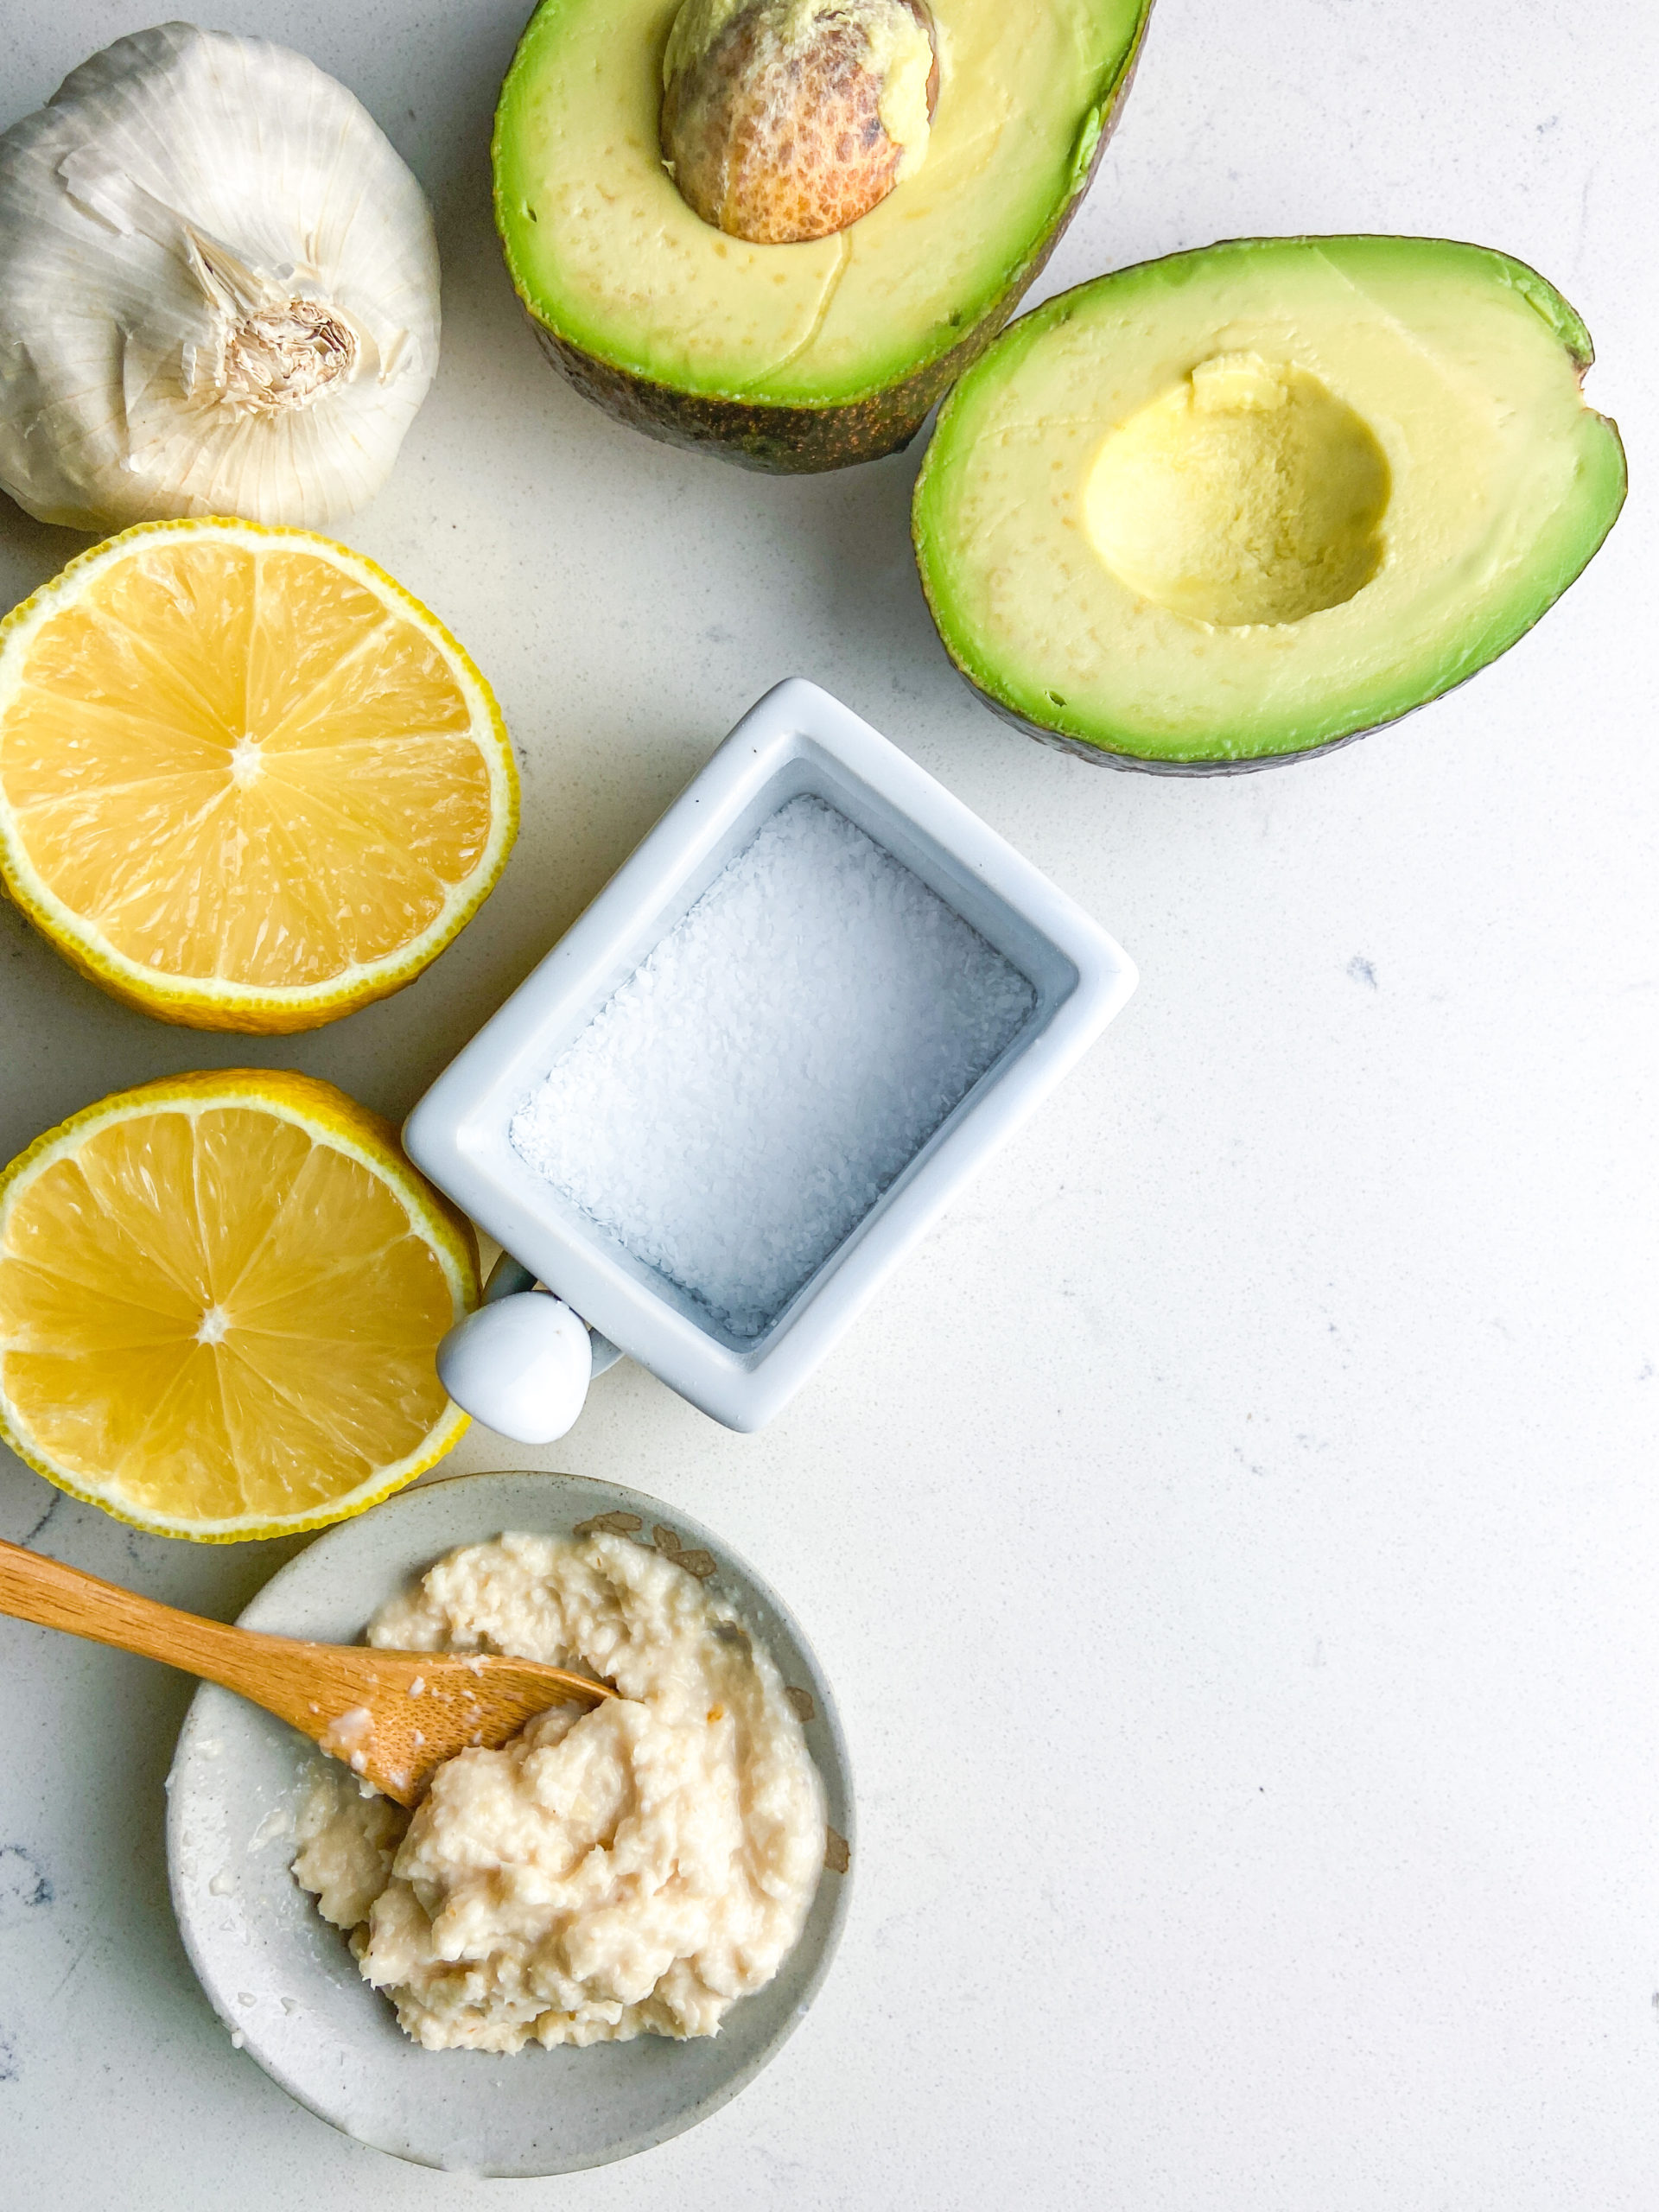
x,y
329,1114
211,1002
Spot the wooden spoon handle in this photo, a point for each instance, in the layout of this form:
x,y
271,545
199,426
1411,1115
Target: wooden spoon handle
x,y
54,1596
478,1698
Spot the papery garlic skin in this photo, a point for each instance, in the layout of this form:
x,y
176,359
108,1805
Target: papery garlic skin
x,y
219,290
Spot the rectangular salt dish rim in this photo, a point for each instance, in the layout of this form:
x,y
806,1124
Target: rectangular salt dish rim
x,y
797,739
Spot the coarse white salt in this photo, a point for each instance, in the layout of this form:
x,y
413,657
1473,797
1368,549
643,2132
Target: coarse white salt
x,y
736,1108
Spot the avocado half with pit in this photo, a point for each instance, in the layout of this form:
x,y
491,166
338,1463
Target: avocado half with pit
x,y
1243,505
820,350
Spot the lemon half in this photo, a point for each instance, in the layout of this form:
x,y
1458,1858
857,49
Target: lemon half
x,y
220,1299
247,782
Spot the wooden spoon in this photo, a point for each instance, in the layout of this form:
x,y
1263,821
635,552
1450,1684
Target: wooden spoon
x,y
391,1716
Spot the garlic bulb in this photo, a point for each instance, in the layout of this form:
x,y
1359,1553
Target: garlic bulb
x,y
219,290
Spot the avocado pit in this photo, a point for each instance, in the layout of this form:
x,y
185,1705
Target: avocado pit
x,y
785,120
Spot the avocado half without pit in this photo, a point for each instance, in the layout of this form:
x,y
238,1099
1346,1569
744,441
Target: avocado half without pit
x,y
1243,504
780,229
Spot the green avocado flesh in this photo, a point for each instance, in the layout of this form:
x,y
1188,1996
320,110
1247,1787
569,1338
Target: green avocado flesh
x,y
1234,506
693,334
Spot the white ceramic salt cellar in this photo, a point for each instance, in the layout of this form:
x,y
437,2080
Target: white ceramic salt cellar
x,y
521,1369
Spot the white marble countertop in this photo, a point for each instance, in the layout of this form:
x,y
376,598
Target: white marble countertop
x,y
1234,1536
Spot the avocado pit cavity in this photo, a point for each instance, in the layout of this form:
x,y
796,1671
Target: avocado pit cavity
x,y
1249,493
783,120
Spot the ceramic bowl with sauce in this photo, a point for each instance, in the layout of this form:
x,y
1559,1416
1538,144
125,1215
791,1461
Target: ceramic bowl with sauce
x,y
283,1982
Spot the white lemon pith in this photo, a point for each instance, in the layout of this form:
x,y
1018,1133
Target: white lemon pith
x,y
247,782
220,1299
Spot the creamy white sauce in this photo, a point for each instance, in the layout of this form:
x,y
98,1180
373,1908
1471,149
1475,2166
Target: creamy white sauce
x,y
633,1867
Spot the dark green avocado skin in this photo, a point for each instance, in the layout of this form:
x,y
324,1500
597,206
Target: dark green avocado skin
x,y
1102,757
805,440
782,440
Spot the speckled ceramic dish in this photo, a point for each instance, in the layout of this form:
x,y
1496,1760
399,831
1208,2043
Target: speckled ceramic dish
x,y
283,1980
